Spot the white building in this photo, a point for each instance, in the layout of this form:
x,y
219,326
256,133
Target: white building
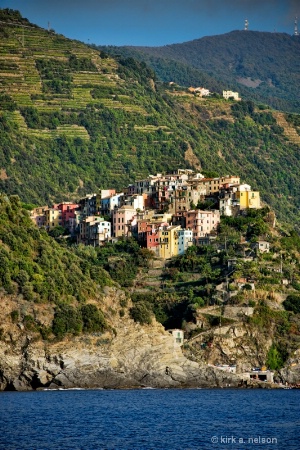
x,y
185,240
231,94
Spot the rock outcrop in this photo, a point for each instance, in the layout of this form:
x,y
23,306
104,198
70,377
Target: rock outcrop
x,y
137,357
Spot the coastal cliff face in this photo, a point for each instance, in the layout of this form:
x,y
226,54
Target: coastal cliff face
x,y
137,357
131,356
128,355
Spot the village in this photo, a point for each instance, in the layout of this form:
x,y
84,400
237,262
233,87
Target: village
x,y
165,213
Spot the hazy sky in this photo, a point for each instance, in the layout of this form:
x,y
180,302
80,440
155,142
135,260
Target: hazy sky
x,y
156,22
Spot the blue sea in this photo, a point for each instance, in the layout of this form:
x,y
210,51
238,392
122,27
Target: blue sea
x,y
166,419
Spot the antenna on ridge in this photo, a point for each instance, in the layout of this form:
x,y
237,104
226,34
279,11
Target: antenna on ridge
x,y
246,25
296,27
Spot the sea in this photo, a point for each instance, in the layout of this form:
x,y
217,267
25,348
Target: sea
x,y
166,419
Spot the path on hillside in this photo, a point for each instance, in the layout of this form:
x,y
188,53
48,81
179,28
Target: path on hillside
x,y
289,131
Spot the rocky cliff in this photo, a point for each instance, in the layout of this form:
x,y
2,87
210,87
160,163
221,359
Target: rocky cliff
x,y
132,356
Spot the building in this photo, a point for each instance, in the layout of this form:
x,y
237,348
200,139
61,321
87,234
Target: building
x,y
185,240
247,198
94,230
53,218
108,204
202,223
231,94
122,220
68,215
38,216
178,336
262,246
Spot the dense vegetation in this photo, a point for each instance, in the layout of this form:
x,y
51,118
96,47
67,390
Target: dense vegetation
x,y
254,63
35,267
77,120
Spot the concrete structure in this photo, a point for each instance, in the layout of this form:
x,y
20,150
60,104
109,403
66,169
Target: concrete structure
x,y
178,336
259,375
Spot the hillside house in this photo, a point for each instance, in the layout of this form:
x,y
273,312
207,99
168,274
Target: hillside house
x,y
123,219
178,336
38,216
202,223
94,230
230,94
262,246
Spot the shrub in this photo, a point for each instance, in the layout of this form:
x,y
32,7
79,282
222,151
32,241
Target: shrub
x,y
92,318
14,316
141,313
66,320
292,303
275,358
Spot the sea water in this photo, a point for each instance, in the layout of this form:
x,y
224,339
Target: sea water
x,y
166,419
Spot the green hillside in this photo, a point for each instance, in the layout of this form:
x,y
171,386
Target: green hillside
x,y
73,119
261,66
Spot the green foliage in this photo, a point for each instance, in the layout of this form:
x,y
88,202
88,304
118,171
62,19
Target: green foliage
x,y
92,318
6,102
275,358
66,319
260,61
34,265
14,316
292,303
141,312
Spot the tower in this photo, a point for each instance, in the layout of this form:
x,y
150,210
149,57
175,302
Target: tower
x,y
296,27
246,25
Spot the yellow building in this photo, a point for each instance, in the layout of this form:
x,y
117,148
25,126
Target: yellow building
x,y
168,242
53,218
248,199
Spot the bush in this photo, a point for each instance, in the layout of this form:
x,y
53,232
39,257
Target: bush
x,y
66,320
14,316
92,318
141,312
275,358
292,303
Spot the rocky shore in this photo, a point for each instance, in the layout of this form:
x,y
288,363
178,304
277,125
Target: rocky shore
x,y
136,357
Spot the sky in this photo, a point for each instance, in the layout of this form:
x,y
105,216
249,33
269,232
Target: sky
x,y
156,22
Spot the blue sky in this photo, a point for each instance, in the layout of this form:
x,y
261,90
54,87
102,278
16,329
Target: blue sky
x,y
156,22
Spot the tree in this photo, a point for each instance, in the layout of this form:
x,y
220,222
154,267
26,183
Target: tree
x,y
292,303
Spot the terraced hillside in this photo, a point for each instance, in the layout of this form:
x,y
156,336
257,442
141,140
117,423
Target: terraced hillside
x,y
73,119
261,66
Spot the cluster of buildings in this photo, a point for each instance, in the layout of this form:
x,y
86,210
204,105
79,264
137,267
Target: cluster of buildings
x,y
160,211
203,92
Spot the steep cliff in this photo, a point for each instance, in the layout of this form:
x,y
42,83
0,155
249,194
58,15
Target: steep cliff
x,y
132,356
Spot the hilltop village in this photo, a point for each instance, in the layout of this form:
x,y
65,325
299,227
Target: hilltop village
x,y
165,213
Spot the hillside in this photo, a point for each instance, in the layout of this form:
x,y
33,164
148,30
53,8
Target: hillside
x,y
262,66
75,316
73,119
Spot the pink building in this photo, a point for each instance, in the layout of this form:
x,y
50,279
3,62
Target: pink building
x,y
202,223
68,214
153,234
